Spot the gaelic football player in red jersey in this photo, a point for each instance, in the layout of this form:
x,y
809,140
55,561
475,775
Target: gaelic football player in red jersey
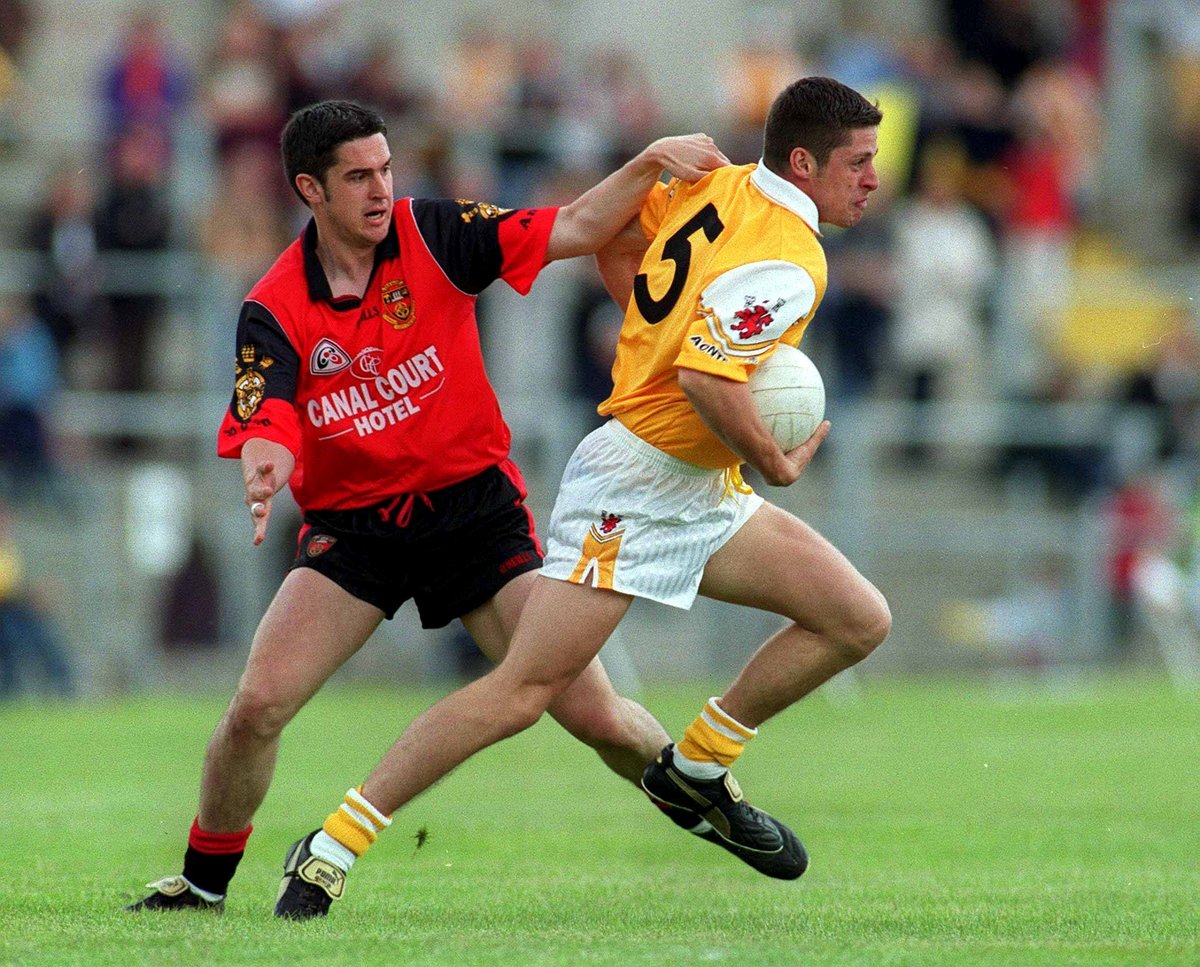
x,y
653,504
360,384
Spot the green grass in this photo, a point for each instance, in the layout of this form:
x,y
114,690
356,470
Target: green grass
x,y
949,824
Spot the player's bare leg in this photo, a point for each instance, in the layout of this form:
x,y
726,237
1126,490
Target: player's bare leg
x,y
622,732
310,629
776,563
561,632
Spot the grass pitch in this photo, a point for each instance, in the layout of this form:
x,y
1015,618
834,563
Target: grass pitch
x,y
949,824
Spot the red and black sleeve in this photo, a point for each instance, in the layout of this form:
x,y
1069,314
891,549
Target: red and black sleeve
x,y
475,243
266,370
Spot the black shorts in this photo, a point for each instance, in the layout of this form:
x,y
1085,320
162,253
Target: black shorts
x,y
450,550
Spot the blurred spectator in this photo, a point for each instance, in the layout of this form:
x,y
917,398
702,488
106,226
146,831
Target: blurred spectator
x,y
29,384
613,113
67,293
191,614
479,77
133,218
1178,23
380,80
16,21
977,117
757,68
147,84
1174,387
1142,520
241,91
857,310
529,141
315,54
1049,166
26,635
244,228
944,263
1007,35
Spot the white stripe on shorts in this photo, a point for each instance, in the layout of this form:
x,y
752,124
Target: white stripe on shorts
x,y
665,518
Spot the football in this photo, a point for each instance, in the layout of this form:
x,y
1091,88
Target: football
x,y
790,395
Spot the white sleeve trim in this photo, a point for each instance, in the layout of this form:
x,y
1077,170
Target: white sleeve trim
x,y
749,307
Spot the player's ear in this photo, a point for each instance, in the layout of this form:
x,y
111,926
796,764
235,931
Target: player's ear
x,y
310,189
802,163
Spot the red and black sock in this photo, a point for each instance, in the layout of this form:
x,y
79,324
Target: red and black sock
x,y
212,858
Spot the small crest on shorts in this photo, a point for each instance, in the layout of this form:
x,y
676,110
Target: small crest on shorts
x,y
319,544
608,527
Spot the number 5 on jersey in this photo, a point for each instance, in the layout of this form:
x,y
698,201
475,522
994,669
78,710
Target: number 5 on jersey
x,y
677,249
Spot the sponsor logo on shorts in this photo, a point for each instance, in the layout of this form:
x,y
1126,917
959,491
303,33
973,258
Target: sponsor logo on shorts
x,y
319,544
516,561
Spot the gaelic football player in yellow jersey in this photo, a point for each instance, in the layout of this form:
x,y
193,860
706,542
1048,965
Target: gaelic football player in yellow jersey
x,y
714,274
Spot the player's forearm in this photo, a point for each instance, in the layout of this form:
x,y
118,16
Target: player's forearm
x,y
595,217
727,408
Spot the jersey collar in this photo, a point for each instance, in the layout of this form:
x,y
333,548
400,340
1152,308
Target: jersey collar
x,y
783,192
314,272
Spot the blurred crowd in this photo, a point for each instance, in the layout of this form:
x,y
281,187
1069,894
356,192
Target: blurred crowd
x,y
960,286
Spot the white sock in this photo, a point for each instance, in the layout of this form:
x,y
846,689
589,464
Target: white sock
x,y
697,770
330,850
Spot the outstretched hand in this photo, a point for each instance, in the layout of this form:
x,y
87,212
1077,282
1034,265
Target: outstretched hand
x,y
266,468
261,487
690,157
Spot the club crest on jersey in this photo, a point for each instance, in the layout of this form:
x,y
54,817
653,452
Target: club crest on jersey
x,y
328,358
319,544
481,208
250,389
755,317
398,304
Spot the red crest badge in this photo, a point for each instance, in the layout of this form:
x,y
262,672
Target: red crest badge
x,y
398,304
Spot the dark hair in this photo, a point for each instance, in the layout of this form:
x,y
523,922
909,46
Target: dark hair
x,y
313,134
817,113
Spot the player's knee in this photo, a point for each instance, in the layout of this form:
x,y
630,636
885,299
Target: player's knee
x,y
867,628
257,714
528,705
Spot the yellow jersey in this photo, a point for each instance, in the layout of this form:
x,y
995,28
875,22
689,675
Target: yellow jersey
x,y
735,266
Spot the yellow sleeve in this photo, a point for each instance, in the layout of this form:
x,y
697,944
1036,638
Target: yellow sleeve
x,y
654,208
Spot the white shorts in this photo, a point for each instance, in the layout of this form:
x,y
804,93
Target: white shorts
x,y
635,519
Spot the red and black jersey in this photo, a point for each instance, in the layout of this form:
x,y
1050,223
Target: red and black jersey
x,y
386,394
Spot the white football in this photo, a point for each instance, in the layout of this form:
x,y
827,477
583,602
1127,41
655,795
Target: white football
x,y
790,395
